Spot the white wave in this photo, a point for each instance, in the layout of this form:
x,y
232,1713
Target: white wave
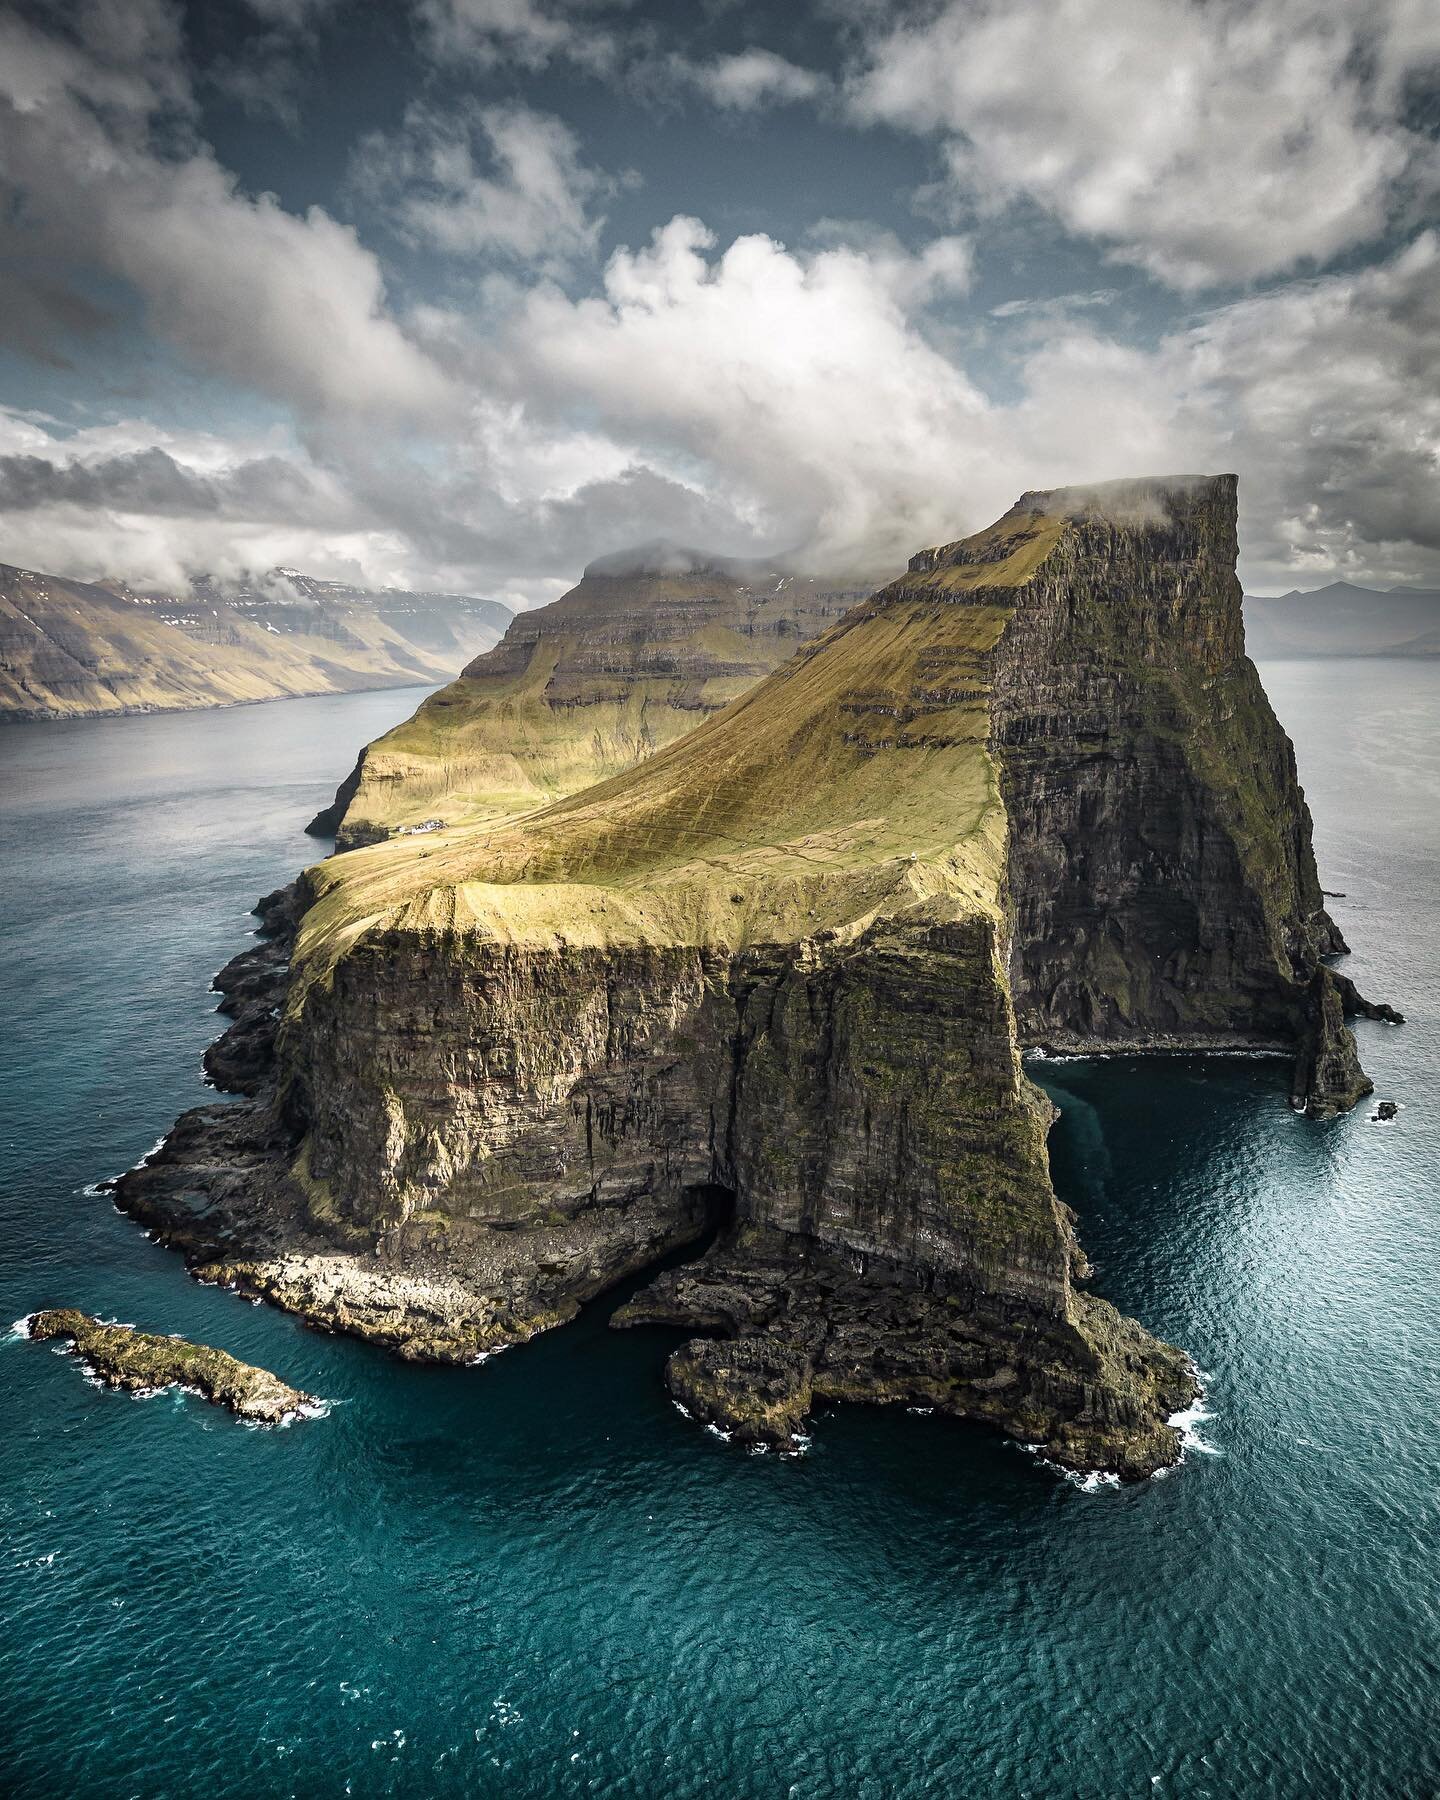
x,y
1188,1422
309,1409
715,1431
20,1330
684,1411
1088,1481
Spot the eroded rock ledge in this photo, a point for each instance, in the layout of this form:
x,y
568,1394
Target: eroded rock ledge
x,y
139,1362
781,977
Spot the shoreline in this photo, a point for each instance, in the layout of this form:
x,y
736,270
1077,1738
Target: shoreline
x,y
206,706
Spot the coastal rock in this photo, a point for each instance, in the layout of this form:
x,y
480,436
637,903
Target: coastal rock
x,y
1356,1006
1328,1077
1092,1390
252,989
140,1362
778,979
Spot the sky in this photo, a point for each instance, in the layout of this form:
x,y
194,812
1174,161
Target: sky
x,y
462,294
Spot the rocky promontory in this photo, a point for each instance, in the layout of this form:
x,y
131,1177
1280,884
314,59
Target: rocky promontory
x,y
773,986
140,1363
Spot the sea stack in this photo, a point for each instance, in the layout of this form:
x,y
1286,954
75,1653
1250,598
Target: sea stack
x,y
779,978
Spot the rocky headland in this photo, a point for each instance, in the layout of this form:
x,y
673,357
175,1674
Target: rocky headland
x,y
650,643
774,985
139,1362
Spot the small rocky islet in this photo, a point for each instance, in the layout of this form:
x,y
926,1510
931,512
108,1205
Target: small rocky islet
x,y
773,985
142,1362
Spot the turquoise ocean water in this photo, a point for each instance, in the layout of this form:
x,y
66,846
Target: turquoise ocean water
x,y
536,1578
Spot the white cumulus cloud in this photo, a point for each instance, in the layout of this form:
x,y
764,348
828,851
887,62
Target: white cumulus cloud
x,y
1208,141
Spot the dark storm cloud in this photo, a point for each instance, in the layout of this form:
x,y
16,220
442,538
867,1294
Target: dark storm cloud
x,y
151,481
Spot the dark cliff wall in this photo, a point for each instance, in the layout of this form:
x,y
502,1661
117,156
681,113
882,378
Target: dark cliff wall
x,y
1161,878
864,1098
880,1112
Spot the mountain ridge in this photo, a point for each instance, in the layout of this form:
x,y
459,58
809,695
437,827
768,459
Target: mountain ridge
x,y
650,641
73,649
1342,619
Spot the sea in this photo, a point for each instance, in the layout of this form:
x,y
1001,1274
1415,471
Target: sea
x,y
537,1578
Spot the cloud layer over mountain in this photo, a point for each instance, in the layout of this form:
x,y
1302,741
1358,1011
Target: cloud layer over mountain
x,y
457,369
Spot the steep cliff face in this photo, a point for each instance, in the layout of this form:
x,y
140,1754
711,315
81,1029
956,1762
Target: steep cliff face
x,y
69,649
1162,881
779,978
648,645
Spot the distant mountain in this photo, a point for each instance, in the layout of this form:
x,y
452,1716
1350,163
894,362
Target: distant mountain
x,y
1343,620
70,649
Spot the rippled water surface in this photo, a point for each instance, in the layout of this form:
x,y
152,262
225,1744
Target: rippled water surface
x,y
536,1578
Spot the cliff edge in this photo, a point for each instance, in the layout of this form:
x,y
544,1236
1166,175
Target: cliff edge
x,y
778,980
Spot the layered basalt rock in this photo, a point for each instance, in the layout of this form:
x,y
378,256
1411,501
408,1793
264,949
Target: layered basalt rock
x,y
1162,880
779,978
650,643
252,989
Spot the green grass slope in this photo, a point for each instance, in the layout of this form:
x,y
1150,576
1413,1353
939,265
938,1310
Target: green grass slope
x,y
629,661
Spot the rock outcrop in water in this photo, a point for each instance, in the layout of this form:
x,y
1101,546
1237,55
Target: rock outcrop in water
x,y
778,979
140,1363
650,643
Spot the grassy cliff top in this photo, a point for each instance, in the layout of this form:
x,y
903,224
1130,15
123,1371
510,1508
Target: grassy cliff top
x,y
856,779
